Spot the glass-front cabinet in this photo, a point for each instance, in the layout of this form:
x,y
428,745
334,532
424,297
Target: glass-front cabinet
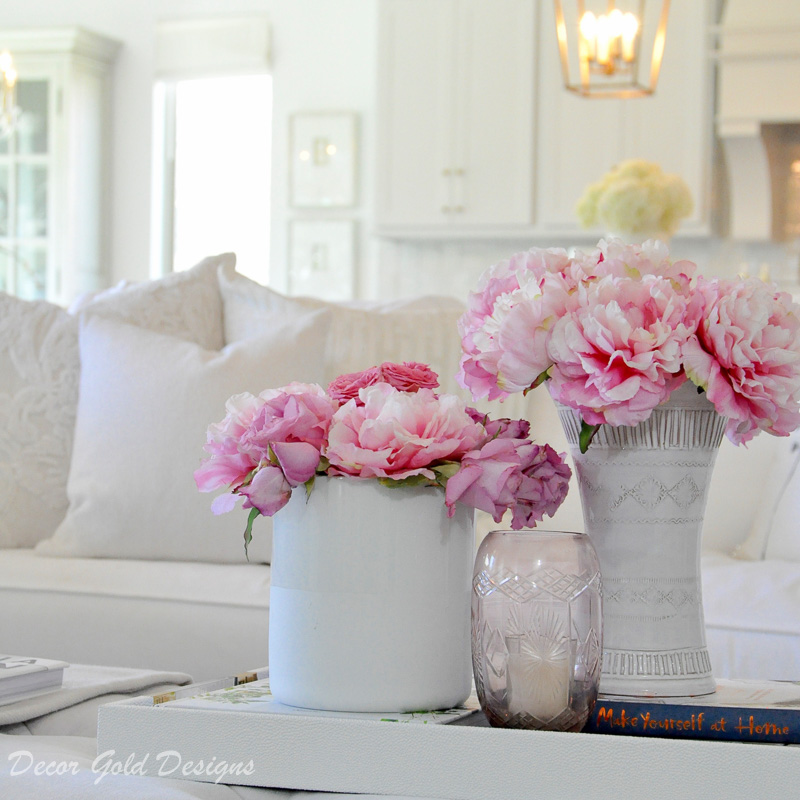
x,y
53,177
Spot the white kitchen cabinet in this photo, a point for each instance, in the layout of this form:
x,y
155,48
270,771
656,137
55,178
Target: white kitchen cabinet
x,y
53,167
582,138
455,142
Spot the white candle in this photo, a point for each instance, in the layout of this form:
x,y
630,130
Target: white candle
x,y
538,676
630,27
588,29
603,40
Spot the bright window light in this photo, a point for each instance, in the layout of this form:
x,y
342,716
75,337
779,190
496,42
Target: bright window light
x,y
222,172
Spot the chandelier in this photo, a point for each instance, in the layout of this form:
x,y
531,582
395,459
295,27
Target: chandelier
x,y
9,111
610,50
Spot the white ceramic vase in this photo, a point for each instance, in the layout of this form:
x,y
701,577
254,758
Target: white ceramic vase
x,y
370,599
644,490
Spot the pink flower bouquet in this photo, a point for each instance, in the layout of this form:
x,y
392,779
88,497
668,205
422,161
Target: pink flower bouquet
x,y
385,423
614,332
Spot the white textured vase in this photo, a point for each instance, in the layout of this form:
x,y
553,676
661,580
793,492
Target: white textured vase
x,y
370,599
644,490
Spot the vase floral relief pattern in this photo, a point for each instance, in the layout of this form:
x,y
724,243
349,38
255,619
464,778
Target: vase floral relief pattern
x,y
536,629
644,490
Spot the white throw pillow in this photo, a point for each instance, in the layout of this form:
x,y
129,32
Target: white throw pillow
x,y
146,400
362,334
186,304
775,533
39,369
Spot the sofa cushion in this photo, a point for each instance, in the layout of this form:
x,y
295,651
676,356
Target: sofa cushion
x,y
39,369
186,305
39,372
362,334
751,617
146,400
775,532
210,620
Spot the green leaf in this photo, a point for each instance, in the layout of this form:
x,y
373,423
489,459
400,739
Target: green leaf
x,y
322,467
248,531
540,379
411,480
586,435
446,471
309,485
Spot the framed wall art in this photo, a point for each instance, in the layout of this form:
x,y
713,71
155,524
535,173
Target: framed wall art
x,y
322,258
323,160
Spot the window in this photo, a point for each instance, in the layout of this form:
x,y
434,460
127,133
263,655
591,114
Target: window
x,y
212,181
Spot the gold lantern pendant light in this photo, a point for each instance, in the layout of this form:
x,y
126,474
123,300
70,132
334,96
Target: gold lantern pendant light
x,y
610,50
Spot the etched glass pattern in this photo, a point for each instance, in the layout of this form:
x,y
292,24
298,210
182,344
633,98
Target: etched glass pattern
x,y
536,629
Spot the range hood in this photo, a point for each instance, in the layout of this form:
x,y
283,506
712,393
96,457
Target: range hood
x,y
758,116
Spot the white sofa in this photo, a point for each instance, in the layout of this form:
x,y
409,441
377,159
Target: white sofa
x,y
109,555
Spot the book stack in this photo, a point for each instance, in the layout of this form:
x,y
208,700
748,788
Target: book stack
x,y
22,678
740,710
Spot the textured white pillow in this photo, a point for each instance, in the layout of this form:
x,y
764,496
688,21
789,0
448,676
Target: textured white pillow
x,y
186,305
775,533
39,369
362,333
146,401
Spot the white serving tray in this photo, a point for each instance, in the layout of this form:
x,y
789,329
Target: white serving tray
x,y
463,760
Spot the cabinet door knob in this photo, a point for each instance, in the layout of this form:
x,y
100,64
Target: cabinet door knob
x,y
460,171
447,172
459,209
446,209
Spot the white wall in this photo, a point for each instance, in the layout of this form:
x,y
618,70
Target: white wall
x,y
323,59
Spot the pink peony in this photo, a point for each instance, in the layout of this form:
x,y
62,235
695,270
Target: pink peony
x,y
398,434
228,466
346,387
617,352
524,332
620,260
746,355
502,288
410,376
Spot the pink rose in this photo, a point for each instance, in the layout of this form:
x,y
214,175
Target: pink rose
x,y
410,376
543,488
510,474
746,355
289,425
617,353
299,412
397,434
503,428
346,387
489,478
298,461
269,491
